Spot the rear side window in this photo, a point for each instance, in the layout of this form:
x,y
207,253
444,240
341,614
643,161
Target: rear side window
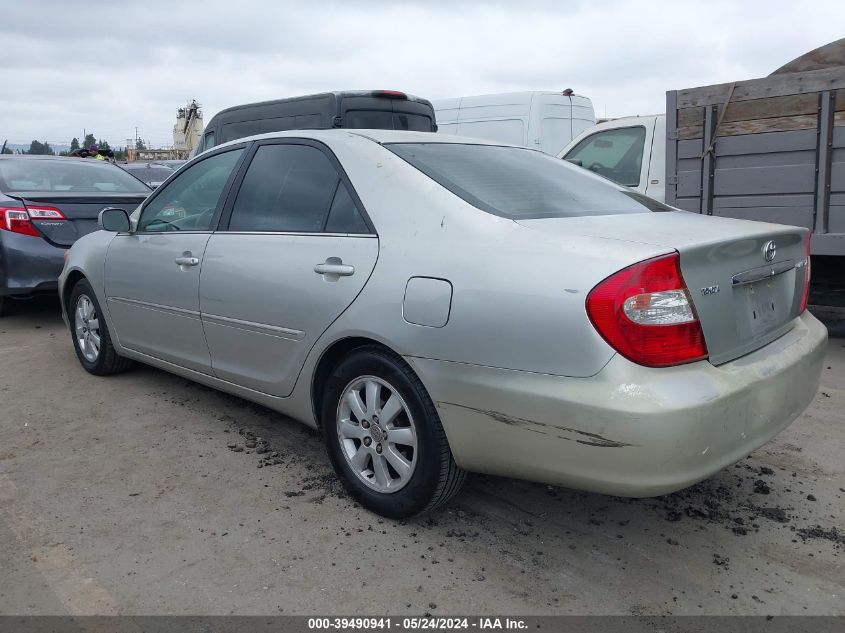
x,y
292,188
77,175
517,183
344,216
615,154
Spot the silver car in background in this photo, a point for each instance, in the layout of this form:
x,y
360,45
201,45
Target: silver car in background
x,y
437,305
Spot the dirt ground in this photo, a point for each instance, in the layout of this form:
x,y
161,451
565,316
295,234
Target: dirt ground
x,y
140,494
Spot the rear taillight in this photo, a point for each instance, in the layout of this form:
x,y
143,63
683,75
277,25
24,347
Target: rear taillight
x,y
19,220
806,296
645,313
44,213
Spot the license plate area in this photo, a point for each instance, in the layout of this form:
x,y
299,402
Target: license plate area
x,y
765,305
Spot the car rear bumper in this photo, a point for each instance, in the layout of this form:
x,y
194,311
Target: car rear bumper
x,y
629,430
28,264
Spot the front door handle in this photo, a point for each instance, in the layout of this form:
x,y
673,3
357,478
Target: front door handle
x,y
341,270
187,261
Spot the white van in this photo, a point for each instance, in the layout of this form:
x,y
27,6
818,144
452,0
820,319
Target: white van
x,y
630,151
541,120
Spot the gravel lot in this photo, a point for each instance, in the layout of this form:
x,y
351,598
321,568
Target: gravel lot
x,y
137,495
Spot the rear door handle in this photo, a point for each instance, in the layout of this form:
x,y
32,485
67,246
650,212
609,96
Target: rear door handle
x,y
341,270
187,261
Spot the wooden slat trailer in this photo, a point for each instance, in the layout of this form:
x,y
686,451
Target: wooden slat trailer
x,y
770,149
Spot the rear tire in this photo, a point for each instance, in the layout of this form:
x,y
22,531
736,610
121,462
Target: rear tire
x,y
384,437
91,339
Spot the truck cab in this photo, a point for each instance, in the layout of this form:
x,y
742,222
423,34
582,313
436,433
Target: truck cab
x,y
630,151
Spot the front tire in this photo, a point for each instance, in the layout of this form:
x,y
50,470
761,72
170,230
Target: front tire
x,y
91,339
384,436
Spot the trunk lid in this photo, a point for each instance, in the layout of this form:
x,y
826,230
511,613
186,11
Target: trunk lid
x,y
81,211
743,300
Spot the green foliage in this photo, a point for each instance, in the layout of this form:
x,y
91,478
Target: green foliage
x,y
40,148
74,144
89,141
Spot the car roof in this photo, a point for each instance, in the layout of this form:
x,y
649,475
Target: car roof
x,y
377,136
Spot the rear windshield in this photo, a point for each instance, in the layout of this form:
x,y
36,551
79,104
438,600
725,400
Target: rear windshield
x,y
520,183
386,120
84,175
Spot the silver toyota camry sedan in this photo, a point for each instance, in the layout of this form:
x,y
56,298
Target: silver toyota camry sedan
x,y
437,305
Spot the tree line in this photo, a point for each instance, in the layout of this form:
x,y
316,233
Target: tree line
x,y
37,148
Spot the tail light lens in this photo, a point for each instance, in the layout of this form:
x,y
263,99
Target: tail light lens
x,y
44,213
646,314
805,298
19,220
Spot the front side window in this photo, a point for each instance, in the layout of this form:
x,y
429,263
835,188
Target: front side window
x,y
518,183
292,188
615,154
188,202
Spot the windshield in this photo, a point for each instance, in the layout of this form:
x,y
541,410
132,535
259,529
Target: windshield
x,y
519,183
71,175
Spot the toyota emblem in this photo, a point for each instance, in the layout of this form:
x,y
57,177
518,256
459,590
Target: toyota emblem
x,y
769,250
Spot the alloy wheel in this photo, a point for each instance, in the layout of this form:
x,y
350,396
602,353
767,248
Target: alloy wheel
x,y
87,328
377,434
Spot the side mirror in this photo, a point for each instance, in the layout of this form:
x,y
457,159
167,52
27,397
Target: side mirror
x,y
114,220
574,161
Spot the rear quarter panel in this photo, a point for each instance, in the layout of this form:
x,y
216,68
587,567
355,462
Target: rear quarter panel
x,y
518,295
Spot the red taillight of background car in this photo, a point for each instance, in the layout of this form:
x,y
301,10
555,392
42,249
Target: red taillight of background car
x,y
390,94
41,212
646,314
19,220
805,298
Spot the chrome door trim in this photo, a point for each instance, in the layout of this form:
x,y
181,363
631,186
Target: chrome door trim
x,y
167,232
298,233
259,328
191,314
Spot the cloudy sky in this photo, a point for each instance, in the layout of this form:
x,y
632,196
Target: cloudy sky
x,y
111,66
